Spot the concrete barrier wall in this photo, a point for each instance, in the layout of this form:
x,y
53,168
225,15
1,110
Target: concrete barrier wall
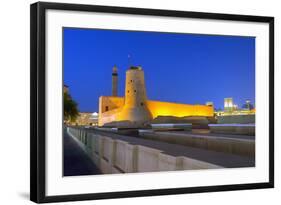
x,y
242,147
239,129
184,126
241,119
117,156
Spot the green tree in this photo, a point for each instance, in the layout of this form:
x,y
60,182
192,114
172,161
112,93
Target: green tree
x,y
69,108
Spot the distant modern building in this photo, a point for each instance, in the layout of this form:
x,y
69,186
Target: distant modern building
x,y
228,105
87,118
248,105
232,109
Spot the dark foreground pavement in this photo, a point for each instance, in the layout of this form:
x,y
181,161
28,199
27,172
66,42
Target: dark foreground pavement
x,y
76,161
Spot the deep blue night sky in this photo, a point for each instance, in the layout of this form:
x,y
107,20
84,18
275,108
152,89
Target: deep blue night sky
x,y
184,68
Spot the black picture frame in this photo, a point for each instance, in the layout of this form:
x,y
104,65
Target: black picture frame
x,y
38,101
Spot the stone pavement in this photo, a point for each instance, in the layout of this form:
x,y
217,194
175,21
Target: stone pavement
x,y
76,161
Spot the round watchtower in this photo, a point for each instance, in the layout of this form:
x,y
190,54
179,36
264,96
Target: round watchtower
x,y
135,107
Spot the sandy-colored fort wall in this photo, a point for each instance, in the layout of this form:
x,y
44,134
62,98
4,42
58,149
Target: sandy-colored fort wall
x,y
111,107
158,108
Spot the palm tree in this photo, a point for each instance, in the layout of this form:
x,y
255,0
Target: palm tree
x,y
70,108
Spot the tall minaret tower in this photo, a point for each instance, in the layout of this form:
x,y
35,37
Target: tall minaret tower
x,y
135,106
114,81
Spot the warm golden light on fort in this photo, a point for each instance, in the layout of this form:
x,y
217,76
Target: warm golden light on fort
x,y
135,108
111,109
158,108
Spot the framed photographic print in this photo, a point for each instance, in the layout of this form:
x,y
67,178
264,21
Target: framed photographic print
x,y
129,102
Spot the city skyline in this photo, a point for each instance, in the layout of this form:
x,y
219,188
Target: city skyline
x,y
182,68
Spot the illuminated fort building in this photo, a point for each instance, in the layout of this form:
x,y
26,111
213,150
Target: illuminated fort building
x,y
135,110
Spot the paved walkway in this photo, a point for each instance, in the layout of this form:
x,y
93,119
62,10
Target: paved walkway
x,y
76,161
218,158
